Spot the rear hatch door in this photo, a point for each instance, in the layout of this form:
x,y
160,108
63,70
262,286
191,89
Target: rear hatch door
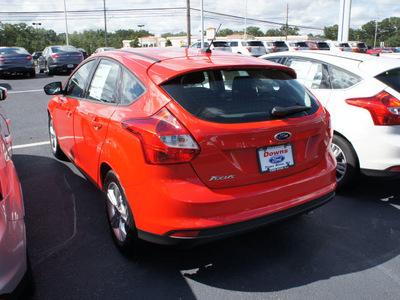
x,y
241,140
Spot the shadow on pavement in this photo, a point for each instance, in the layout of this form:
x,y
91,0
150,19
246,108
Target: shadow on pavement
x,y
73,256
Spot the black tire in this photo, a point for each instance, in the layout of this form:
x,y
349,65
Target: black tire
x,y
55,147
48,70
120,218
347,163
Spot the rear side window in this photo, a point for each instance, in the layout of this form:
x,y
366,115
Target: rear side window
x,y
311,74
391,78
240,96
234,44
131,88
341,79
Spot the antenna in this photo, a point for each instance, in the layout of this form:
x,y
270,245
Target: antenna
x,y
208,50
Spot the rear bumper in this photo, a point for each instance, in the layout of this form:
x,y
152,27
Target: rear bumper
x,y
162,206
63,66
17,69
213,233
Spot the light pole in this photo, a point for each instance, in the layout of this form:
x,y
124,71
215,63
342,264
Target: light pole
x,y
105,23
66,22
140,26
36,25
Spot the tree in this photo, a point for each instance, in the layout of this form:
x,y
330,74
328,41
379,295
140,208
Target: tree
x,y
168,43
331,33
255,31
134,43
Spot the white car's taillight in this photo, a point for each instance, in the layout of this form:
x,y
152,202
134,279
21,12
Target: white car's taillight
x,y
384,108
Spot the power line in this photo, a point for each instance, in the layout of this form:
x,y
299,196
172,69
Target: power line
x,y
95,12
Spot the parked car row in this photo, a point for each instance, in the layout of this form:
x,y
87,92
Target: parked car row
x,y
257,48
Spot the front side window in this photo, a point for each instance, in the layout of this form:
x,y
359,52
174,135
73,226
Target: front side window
x,y
341,79
77,83
311,74
104,82
241,96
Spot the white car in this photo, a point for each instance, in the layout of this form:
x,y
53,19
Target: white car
x,y
338,46
251,48
362,93
15,274
295,46
216,45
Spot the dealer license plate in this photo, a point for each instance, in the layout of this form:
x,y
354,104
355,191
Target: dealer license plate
x,y
275,158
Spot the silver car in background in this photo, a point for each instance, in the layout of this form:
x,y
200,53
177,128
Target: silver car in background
x,y
16,60
59,59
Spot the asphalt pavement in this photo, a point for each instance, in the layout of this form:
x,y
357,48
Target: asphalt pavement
x,y
347,249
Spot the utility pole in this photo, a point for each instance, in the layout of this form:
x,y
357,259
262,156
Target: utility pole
x,y
245,21
189,42
287,20
376,30
105,22
66,22
202,25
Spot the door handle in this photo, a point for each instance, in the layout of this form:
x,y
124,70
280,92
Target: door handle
x,y
8,139
96,124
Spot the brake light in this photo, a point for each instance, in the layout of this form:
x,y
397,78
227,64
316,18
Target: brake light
x,y
55,56
80,55
295,48
28,57
248,49
341,49
164,139
384,108
2,58
329,121
273,49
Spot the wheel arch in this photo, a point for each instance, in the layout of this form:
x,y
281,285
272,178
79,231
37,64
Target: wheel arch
x,y
350,144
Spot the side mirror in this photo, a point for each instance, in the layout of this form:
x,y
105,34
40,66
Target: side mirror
x,y
3,93
54,88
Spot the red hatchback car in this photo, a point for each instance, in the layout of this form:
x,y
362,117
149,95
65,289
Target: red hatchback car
x,y
191,146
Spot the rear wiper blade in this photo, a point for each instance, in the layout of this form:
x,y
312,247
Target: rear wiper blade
x,y
279,111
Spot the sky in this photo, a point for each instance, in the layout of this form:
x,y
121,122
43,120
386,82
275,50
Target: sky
x,y
159,17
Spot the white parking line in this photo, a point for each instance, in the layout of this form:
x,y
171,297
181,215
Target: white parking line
x,y
27,91
31,145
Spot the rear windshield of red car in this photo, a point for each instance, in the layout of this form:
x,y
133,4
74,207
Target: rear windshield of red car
x,y
391,78
240,96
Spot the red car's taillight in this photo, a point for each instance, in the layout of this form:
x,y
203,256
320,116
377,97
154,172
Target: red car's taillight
x,y
384,108
2,58
165,140
329,121
56,56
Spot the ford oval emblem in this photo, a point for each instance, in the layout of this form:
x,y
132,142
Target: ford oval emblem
x,y
281,136
277,159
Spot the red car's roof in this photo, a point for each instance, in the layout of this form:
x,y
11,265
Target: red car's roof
x,y
164,64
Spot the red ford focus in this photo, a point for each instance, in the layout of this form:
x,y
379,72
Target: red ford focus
x,y
191,146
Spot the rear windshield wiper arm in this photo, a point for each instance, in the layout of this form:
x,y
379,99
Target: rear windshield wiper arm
x,y
279,111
